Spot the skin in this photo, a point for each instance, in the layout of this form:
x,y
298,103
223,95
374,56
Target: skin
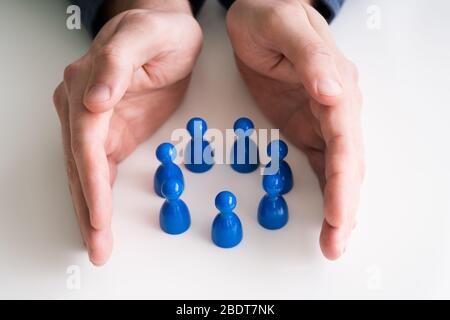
x,y
308,89
114,97
137,71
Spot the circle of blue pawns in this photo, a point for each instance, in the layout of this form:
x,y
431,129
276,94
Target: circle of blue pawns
x,y
248,124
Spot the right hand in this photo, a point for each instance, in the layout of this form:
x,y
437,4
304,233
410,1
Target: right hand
x,y
113,98
308,89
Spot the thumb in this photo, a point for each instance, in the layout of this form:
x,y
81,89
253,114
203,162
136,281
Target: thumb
x,y
133,44
312,58
111,73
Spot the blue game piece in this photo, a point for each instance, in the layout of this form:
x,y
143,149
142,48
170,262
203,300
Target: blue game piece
x,y
226,228
199,155
280,151
273,210
166,153
244,155
174,217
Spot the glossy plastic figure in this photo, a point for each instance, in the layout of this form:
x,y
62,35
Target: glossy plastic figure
x,y
279,152
226,228
199,155
244,155
174,216
166,153
273,210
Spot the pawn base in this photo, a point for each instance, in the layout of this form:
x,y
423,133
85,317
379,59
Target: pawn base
x,y
244,168
198,168
273,214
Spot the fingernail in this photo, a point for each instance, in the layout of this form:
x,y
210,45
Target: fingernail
x,y
329,87
98,93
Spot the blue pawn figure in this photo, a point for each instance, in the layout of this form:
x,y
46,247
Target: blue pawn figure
x,y
174,217
166,153
245,155
226,228
279,152
199,155
273,210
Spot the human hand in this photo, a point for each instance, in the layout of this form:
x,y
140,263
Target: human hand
x,y
114,97
309,90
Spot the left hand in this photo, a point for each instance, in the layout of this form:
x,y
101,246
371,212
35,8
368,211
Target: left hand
x,y
115,96
304,84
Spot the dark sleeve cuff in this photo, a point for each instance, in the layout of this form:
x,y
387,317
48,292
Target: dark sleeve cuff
x,y
196,5
327,8
226,3
93,22
89,14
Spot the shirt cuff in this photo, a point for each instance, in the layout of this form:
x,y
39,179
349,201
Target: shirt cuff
x,y
93,22
328,8
196,5
89,14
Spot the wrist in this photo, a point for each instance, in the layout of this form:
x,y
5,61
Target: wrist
x,y
114,7
180,6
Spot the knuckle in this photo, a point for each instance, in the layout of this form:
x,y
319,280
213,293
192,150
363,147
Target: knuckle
x,y
314,49
70,72
277,13
272,16
341,143
110,55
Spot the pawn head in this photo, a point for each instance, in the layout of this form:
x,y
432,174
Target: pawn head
x,y
166,152
272,184
244,124
196,126
277,149
225,201
172,189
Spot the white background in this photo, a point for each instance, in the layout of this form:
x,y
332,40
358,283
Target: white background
x,y
400,248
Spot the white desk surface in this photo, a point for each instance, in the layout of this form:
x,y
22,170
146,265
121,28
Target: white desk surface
x,y
400,248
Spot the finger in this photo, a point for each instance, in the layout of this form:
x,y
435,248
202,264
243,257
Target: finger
x,y
88,149
110,76
341,191
117,58
88,135
344,170
312,58
344,162
333,241
98,243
